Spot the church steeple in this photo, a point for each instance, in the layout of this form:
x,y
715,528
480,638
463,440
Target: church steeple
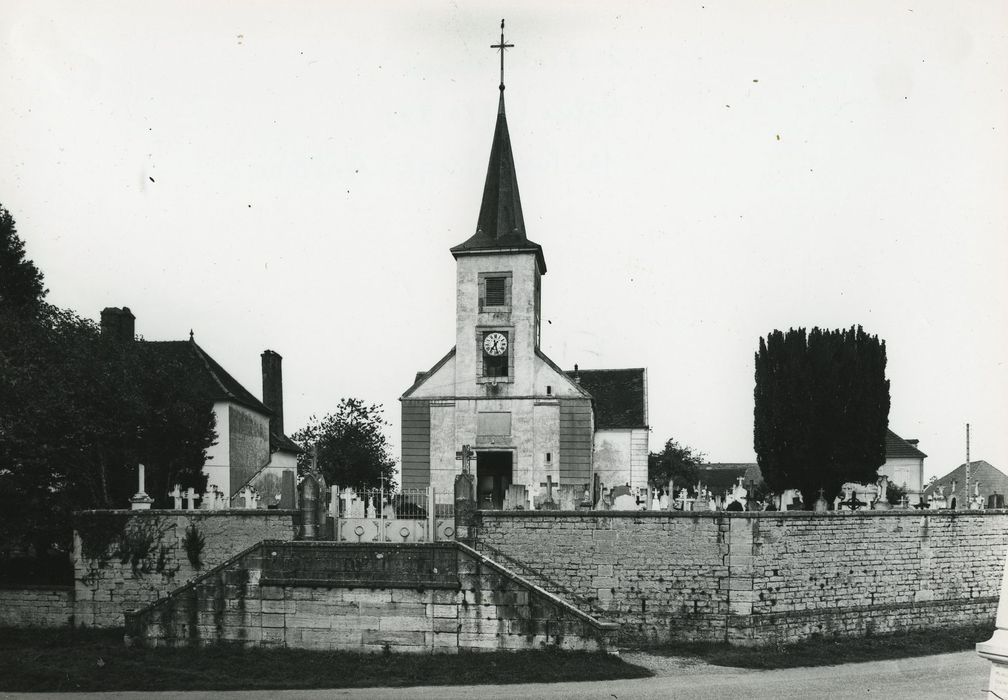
x,y
500,224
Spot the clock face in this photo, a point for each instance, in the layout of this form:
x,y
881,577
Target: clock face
x,y
495,344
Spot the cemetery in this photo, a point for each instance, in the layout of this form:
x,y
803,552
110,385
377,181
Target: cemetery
x,y
420,570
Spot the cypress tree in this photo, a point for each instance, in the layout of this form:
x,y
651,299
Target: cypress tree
x,y
821,409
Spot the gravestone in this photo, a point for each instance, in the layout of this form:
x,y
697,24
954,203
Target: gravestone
x,y
516,497
623,498
569,497
191,497
548,501
176,496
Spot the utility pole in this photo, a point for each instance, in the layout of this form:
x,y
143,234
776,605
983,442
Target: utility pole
x,y
966,496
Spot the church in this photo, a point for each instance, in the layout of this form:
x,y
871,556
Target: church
x,y
496,393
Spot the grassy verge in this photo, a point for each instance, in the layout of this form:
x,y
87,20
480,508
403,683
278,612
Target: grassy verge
x,y
828,652
97,660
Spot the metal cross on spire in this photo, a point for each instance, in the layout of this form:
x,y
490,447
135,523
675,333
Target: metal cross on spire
x,y
501,47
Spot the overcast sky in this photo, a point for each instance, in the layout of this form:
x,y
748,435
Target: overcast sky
x,y
292,175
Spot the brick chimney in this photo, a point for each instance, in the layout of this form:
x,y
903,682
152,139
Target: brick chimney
x,y
273,389
118,324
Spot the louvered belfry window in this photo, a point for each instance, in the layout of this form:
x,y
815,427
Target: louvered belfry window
x,y
496,291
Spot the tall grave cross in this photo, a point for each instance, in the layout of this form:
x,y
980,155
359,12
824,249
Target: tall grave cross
x,y
502,47
464,455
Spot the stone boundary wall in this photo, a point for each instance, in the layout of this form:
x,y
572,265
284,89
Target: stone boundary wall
x,y
760,578
36,606
125,559
257,599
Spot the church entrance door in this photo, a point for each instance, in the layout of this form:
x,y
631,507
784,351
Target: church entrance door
x,y
493,476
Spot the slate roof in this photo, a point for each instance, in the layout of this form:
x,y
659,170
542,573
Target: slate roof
x,y
214,380
722,476
501,225
895,446
990,478
620,396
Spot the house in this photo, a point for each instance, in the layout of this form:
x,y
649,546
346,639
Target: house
x,y
985,480
719,477
904,465
252,448
497,392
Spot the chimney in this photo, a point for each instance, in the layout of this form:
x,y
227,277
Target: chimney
x,y
118,324
273,389
577,375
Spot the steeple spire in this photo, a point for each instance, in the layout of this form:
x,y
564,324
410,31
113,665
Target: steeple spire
x,y
500,224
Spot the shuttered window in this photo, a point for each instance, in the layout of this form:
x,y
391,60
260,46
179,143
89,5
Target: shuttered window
x,y
496,291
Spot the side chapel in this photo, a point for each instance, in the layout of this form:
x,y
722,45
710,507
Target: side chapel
x,y
526,420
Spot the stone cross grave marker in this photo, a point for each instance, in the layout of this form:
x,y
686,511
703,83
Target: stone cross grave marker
x,y
191,497
549,503
176,495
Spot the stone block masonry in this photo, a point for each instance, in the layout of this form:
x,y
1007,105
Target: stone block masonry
x,y
125,559
760,578
449,598
36,606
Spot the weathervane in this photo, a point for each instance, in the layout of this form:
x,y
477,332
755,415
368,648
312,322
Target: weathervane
x,y
501,47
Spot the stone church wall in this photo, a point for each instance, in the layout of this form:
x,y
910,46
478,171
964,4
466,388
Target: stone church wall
x,y
760,578
126,559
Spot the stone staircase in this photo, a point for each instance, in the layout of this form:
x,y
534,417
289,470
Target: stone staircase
x,y
419,597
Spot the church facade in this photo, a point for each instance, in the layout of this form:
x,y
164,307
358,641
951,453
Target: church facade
x,y
528,421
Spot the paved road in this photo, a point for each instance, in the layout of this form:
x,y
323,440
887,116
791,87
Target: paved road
x,y
961,675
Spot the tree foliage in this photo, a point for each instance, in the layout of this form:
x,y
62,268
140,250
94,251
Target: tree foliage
x,y
21,283
674,462
821,409
351,443
78,413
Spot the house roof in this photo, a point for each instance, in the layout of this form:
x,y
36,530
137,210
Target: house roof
x,y
214,380
501,225
895,446
280,442
620,396
721,476
990,478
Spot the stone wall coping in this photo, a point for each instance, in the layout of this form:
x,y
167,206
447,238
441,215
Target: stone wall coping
x,y
35,587
324,544
253,512
756,514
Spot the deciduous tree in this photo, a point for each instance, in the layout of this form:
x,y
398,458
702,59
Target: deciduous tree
x,y
351,443
674,462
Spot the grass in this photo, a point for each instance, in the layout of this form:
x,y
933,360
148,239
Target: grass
x,y
97,660
831,651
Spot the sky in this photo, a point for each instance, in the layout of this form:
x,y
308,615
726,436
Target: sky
x,y
291,176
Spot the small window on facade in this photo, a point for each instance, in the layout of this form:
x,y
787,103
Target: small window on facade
x,y
549,457
496,291
549,390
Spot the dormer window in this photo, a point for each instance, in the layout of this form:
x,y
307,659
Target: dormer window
x,y
495,291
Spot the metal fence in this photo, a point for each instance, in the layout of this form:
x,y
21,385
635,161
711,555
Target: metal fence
x,y
379,515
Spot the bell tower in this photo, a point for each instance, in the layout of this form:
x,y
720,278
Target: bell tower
x,y
498,282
